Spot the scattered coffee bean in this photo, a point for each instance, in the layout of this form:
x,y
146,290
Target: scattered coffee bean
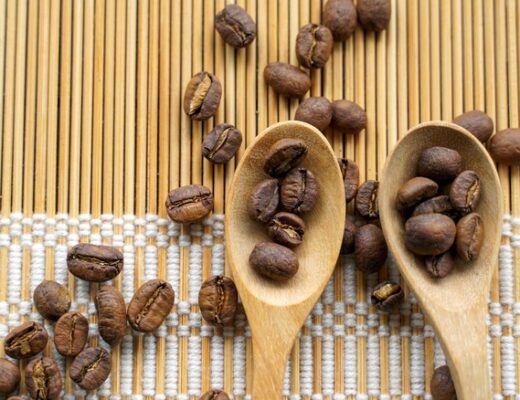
x,y
340,17
71,334
222,143
438,204
264,200
286,229
235,25
202,96
314,45
26,340
349,234
287,80
43,379
94,263
150,305
429,234
51,299
470,234
284,155
274,261
214,395
414,191
504,147
476,122
465,192
374,15
386,294
91,368
9,377
218,300
299,191
366,199
442,386
371,250
190,203
316,111
439,163
441,265
350,172
111,310
348,116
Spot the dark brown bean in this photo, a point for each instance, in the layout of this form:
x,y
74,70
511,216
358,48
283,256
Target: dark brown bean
x,y
476,122
350,172
94,263
371,250
287,80
340,17
313,45
366,199
91,367
465,192
374,15
470,235
190,203
439,266
429,234
274,261
348,116
286,229
9,377
438,204
235,25
43,379
263,200
439,163
26,340
349,234
71,334
299,191
442,386
504,147
51,299
222,143
111,310
414,191
284,155
214,395
386,294
218,300
202,96
316,111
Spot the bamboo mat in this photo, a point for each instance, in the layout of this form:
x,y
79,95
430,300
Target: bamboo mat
x,y
93,137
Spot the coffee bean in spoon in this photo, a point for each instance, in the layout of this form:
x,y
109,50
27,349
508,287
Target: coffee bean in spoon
x,y
441,265
414,191
340,17
313,45
222,143
439,163
465,192
476,122
299,191
263,200
316,111
350,172
286,229
190,203
366,200
429,234
218,300
202,96
274,261
235,26
370,247
470,235
284,155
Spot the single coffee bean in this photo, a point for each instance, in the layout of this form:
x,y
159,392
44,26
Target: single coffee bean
x,y
340,17
414,191
386,294
222,143
264,200
439,163
287,80
465,192
438,204
371,250
442,386
111,310
350,172
470,235
51,299
214,395
348,116
366,199
9,377
476,122
287,229
218,300
299,191
439,266
349,234
504,147
150,305
429,234
284,155
202,96
374,15
43,379
235,25
91,368
190,203
71,334
274,261
26,340
94,263
316,111
314,45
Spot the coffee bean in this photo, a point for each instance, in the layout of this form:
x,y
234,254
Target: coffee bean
x,y
366,199
340,17
374,15
235,26
51,299
504,147
202,96
287,80
263,200
218,300
286,229
43,379
470,235
150,305
190,203
111,310
438,204
71,334
414,191
349,234
442,386
314,45
371,250
439,266
94,263
274,261
439,163
429,234
316,111
386,294
299,191
465,192
476,122
348,116
90,368
222,143
214,395
284,155
26,340
9,377
350,172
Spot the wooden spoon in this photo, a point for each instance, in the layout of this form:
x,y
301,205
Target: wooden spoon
x,y
276,311
457,304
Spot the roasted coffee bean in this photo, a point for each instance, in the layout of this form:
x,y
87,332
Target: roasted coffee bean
x,y
439,163
350,172
349,234
429,234
274,261
51,299
284,155
264,200
71,334
222,143
190,203
26,340
235,25
476,122
441,265
504,147
348,116
43,379
299,191
150,305
442,386
91,368
414,191
316,111
287,80
465,192
374,15
370,247
470,235
438,204
313,45
366,199
386,294
94,263
202,96
340,17
214,395
9,377
287,229
111,312
218,300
